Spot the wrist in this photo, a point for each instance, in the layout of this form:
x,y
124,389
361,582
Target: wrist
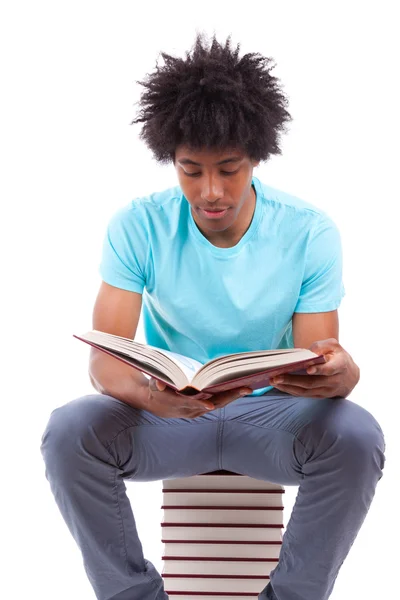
x,y
353,375
142,395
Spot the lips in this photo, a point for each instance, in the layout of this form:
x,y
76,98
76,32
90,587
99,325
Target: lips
x,y
214,209
213,214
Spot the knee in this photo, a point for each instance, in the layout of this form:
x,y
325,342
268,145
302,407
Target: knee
x,y
358,435
360,428
72,428
353,432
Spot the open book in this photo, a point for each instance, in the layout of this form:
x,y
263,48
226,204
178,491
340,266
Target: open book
x,y
190,377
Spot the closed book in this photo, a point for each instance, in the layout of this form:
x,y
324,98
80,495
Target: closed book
x,y
217,498
232,533
220,480
223,550
217,566
210,596
215,583
218,515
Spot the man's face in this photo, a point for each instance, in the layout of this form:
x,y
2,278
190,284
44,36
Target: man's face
x,y
212,180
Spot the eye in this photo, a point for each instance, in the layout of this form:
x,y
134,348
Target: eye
x,y
222,173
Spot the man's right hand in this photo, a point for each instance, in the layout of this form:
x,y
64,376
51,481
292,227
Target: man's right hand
x,y
162,401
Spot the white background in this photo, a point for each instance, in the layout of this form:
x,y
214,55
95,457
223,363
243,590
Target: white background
x,y
69,158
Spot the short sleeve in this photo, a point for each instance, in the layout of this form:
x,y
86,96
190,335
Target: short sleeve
x,y
124,251
322,287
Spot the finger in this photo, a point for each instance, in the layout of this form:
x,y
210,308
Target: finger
x,y
205,409
325,346
336,365
223,402
203,406
305,381
320,392
231,395
301,381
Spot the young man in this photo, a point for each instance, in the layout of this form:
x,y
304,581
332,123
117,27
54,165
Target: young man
x,y
225,264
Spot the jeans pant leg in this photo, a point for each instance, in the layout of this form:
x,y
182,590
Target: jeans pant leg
x,y
333,449
90,446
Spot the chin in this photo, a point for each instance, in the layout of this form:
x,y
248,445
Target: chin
x,y
215,226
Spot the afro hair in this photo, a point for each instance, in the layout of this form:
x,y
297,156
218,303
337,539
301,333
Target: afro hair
x,y
215,100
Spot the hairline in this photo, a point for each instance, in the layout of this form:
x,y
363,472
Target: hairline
x,y
189,161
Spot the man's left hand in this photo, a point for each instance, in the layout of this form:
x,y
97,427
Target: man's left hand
x,y
337,377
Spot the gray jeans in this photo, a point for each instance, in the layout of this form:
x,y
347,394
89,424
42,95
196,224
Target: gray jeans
x,y
333,449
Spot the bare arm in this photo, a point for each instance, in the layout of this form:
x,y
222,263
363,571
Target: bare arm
x,y
312,327
117,311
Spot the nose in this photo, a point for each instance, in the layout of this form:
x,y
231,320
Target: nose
x,y
211,189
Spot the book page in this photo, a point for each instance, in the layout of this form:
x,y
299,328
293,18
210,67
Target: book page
x,y
239,356
224,370
178,368
189,366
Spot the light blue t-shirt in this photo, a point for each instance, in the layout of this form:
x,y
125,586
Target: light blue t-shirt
x,y
203,301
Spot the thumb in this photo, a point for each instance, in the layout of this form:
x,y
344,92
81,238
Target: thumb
x,y
325,346
160,385
245,391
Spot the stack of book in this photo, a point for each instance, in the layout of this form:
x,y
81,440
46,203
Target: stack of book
x,y
222,535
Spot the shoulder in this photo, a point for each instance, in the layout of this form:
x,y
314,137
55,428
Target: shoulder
x,y
281,199
144,210
292,209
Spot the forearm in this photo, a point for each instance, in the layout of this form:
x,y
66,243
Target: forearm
x,y
114,378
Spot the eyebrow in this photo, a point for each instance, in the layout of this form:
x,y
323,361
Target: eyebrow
x,y
187,161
